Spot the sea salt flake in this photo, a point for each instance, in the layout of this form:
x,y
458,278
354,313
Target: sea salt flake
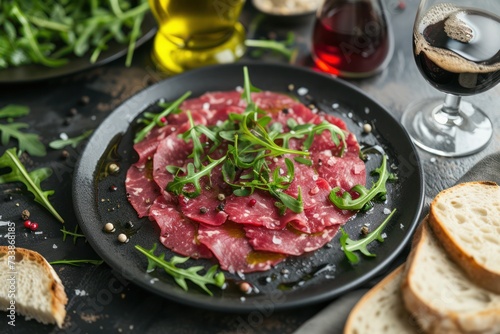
x,y
386,211
302,91
54,246
63,136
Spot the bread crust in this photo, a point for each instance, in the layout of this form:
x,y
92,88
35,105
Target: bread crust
x,y
58,297
432,319
359,308
478,273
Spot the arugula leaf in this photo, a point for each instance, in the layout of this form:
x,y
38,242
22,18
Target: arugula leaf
x,y
349,246
14,110
345,202
28,142
172,108
180,275
61,143
192,177
31,180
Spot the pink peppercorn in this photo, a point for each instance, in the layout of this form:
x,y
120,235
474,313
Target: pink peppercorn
x,y
252,202
34,226
163,120
27,223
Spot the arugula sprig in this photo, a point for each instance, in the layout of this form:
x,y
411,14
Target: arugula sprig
x,y
193,177
155,120
28,142
349,246
14,111
363,202
31,180
62,143
180,275
311,130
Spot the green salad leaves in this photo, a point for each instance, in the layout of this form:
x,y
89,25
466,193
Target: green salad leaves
x,y
48,32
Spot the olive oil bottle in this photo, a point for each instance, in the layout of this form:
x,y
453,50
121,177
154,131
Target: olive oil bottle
x,y
194,33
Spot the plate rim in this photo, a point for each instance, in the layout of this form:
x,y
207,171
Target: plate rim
x,y
141,101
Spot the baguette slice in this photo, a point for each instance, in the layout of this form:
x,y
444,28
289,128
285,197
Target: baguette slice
x,y
39,293
466,220
381,310
441,296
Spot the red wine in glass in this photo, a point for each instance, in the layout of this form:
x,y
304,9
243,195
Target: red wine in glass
x,y
351,38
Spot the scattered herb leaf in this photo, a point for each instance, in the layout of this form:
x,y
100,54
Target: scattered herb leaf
x,y
180,275
28,142
349,246
31,180
13,111
74,234
345,202
61,143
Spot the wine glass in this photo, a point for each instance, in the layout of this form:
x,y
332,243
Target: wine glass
x,y
456,45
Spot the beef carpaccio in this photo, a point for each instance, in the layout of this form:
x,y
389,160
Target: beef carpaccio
x,y
243,233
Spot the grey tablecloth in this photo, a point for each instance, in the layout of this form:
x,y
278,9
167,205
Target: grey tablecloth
x,y
331,320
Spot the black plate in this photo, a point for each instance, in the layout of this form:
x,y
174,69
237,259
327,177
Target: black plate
x,y
325,273
34,72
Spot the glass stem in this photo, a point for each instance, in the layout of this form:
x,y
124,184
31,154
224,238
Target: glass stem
x,y
449,113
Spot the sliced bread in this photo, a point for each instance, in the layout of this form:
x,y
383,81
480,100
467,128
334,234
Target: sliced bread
x,y
466,220
30,284
441,297
381,310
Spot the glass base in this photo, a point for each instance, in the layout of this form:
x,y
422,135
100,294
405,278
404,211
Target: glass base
x,y
172,59
432,130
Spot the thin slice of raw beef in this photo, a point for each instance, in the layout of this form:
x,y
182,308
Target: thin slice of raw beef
x,y
141,188
177,233
288,241
230,246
